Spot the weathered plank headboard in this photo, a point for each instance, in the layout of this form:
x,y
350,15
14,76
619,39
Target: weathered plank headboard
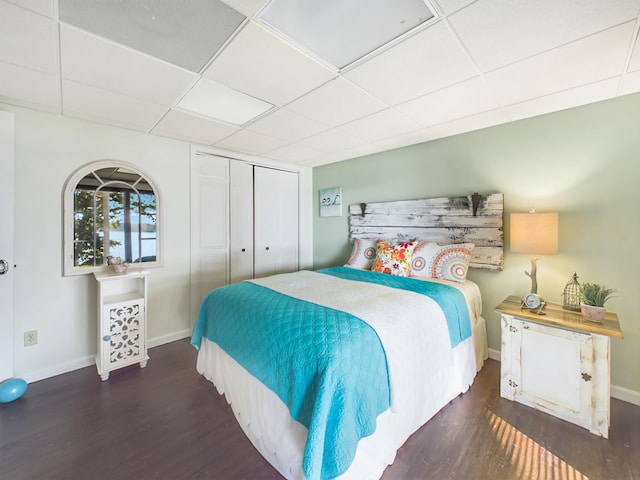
x,y
475,218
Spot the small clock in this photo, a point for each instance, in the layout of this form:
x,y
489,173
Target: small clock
x,y
533,301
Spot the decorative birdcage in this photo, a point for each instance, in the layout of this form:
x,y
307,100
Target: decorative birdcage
x,y
572,294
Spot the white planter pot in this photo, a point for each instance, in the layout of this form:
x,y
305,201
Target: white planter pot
x,y
593,314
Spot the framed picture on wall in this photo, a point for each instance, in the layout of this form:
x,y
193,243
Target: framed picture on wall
x,y
331,202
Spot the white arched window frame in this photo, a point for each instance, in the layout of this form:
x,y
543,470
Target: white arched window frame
x,y
128,178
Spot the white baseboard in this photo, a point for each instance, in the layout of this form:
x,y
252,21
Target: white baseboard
x,y
619,393
55,370
157,341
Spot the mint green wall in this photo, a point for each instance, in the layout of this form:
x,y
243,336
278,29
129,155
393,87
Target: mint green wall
x,y
583,163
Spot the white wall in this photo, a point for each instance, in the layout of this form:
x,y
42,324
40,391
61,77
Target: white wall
x,y
49,148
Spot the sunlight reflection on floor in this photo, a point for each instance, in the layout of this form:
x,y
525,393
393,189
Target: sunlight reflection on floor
x,y
530,459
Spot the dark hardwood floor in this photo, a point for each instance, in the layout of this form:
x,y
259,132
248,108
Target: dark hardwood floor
x,y
167,422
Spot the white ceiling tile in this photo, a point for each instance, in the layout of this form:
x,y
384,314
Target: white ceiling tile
x,y
28,39
29,88
469,124
45,7
333,140
250,142
449,6
410,138
218,101
335,103
185,33
380,125
246,7
565,99
99,105
462,100
634,63
585,61
499,32
294,153
630,83
192,128
425,62
287,125
258,63
102,63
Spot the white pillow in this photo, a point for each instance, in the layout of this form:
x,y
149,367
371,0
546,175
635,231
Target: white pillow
x,y
362,254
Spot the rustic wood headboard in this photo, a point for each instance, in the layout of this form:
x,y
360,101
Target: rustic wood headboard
x,y
475,218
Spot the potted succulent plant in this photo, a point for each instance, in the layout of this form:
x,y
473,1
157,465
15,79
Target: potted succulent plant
x,y
594,297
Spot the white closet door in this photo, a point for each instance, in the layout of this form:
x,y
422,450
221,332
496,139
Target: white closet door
x,y
241,227
276,221
209,226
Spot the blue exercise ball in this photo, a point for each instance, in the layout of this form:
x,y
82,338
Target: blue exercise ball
x,y
12,389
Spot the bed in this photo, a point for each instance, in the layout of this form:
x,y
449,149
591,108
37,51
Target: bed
x,y
328,372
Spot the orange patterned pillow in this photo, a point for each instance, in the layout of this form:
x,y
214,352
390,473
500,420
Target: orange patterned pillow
x,y
393,258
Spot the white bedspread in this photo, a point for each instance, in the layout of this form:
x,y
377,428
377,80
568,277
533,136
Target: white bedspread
x,y
412,327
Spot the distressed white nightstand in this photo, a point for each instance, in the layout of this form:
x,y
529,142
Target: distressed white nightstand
x,y
122,329
558,363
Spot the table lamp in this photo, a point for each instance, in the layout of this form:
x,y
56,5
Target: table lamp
x,y
535,233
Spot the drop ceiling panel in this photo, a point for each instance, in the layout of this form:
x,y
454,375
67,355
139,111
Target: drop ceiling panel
x,y
28,39
334,140
410,138
634,63
462,100
218,101
565,99
287,125
514,30
95,61
186,34
381,125
335,103
191,128
250,142
29,88
592,59
630,83
247,7
260,64
90,103
343,32
469,124
294,153
450,6
428,61
45,7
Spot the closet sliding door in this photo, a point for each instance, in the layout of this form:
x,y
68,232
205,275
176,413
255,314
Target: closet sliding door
x,y
275,221
241,227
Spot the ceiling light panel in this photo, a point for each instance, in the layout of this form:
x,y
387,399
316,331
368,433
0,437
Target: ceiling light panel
x,y
342,32
214,100
186,34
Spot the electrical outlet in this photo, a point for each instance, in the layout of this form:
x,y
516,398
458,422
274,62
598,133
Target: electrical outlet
x,y
30,338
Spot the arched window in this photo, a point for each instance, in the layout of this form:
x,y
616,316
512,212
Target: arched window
x,y
111,209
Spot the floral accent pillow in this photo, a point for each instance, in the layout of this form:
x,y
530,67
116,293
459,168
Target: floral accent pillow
x,y
362,254
446,262
393,258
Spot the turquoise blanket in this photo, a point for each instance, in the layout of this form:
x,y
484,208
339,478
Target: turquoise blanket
x,y
450,299
312,358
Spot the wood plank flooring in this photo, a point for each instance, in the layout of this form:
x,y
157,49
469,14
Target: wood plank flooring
x,y
167,422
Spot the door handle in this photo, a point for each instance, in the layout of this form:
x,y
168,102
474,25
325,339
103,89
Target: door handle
x,y
4,266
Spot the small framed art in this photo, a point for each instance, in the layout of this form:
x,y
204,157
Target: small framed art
x,y
331,202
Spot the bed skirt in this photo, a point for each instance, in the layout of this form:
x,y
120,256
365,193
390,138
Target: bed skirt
x,y
281,440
